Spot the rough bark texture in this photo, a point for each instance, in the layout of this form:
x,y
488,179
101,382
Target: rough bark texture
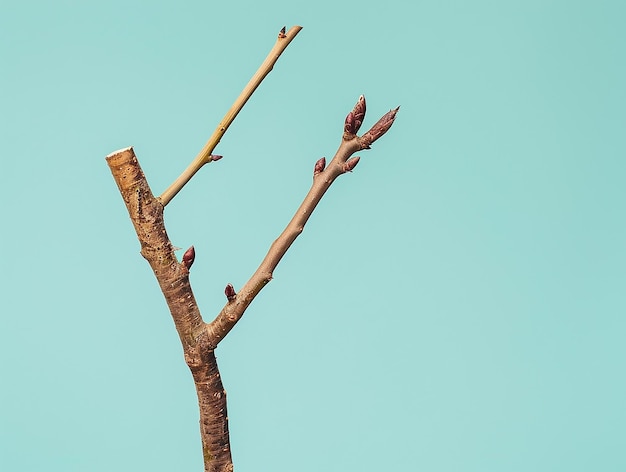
x,y
199,339
146,214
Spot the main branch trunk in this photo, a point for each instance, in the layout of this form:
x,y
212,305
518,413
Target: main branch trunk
x,y
213,414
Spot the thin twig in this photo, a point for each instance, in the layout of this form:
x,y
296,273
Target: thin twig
x,y
322,180
204,156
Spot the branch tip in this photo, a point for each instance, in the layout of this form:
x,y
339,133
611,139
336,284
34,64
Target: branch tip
x,y
284,39
230,293
320,165
189,257
379,128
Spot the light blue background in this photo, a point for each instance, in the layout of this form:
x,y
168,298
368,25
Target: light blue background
x,y
456,304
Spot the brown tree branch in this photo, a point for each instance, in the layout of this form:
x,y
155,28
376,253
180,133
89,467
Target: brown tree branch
x,y
322,180
198,338
204,156
146,214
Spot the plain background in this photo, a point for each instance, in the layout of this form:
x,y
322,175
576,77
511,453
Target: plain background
x,y
456,304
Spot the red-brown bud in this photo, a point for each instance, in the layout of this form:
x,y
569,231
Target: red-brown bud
x,y
379,128
281,33
230,292
320,165
216,157
350,164
359,113
189,257
348,126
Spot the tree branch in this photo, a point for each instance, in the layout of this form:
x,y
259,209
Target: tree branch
x,y
204,156
198,338
322,180
146,214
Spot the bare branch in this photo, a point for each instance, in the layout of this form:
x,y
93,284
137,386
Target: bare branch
x,y
323,177
146,214
204,156
198,338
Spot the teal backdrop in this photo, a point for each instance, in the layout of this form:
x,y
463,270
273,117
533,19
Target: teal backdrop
x,y
457,303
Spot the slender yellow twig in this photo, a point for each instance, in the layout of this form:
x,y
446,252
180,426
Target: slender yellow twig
x,y
204,156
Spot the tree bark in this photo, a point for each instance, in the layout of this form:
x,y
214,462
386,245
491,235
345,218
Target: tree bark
x,y
198,338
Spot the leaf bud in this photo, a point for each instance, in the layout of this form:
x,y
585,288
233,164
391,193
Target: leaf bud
x,y
379,128
320,165
359,113
348,127
229,291
189,257
350,164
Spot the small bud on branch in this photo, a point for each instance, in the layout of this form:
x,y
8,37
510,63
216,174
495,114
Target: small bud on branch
x,y
189,257
350,164
282,32
320,165
354,120
379,128
230,292
359,113
215,157
348,127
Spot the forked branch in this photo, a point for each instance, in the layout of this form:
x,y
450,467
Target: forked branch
x,y
199,339
323,177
